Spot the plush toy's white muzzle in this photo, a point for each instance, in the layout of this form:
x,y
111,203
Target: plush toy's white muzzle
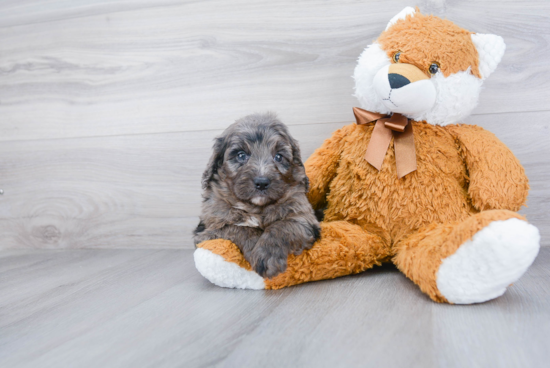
x,y
403,93
440,99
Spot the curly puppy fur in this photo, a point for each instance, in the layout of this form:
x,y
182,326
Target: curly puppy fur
x,y
255,189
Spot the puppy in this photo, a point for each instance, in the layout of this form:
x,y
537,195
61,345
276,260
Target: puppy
x,y
254,195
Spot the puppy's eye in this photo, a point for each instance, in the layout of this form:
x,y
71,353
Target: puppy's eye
x,y
396,56
434,68
242,156
278,157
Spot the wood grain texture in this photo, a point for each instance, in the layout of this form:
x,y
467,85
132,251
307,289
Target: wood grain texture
x,y
136,191
151,308
143,191
90,68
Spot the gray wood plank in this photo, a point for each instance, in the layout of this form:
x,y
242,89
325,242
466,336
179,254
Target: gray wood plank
x,y
89,68
342,324
151,308
511,331
143,191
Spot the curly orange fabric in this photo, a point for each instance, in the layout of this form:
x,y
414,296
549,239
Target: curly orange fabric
x,y
359,193
229,251
343,249
497,179
425,39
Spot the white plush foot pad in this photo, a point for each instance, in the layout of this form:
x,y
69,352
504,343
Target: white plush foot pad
x,y
482,268
226,274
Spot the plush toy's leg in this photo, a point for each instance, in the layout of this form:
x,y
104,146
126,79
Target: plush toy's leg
x,y
222,263
343,249
472,261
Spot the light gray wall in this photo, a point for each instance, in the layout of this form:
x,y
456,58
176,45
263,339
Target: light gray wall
x,y
108,108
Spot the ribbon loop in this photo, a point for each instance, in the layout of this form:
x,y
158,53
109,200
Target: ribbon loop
x,y
386,127
397,123
364,117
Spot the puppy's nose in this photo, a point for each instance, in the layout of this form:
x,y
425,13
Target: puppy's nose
x,y
261,183
397,80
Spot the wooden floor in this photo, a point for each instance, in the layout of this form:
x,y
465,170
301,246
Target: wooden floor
x,y
151,308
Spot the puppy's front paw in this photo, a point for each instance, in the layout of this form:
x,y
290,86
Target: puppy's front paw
x,y
316,234
268,259
307,238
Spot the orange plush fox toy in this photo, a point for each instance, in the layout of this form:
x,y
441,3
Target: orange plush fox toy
x,y
408,183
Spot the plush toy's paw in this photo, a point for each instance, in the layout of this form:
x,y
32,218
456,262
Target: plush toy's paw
x,y
483,267
224,273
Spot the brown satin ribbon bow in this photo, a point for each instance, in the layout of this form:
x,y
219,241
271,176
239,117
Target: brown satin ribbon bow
x,y
387,126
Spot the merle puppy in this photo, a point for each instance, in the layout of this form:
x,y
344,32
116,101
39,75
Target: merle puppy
x,y
254,194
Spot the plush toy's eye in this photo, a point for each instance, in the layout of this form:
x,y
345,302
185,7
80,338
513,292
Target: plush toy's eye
x,y
278,157
396,56
434,68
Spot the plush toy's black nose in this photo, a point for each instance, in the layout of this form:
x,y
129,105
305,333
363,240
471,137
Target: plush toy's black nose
x,y
397,80
261,183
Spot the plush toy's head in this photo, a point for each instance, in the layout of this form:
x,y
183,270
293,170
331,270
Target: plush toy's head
x,y
425,68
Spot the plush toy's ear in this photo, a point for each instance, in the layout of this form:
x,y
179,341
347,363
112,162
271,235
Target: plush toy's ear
x,y
402,15
490,49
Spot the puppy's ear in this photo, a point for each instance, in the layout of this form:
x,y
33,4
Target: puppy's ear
x,y
215,162
299,169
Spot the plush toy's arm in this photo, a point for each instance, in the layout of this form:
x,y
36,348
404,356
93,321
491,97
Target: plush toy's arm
x,y
321,167
497,179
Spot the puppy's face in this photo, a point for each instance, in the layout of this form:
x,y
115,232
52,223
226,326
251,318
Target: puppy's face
x,y
257,160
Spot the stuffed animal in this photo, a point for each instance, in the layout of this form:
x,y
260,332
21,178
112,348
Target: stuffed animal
x,y
408,183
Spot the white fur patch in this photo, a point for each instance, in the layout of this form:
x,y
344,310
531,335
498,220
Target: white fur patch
x,y
251,221
456,96
490,49
258,201
218,271
483,267
240,206
370,62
